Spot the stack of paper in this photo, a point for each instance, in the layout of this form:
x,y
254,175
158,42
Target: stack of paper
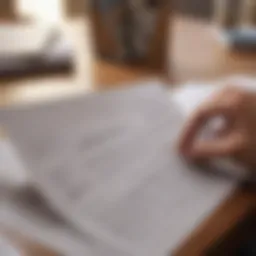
x,y
106,165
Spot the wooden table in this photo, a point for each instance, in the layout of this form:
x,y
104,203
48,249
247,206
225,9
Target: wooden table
x,y
195,54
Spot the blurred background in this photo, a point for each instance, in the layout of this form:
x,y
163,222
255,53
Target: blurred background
x,y
55,47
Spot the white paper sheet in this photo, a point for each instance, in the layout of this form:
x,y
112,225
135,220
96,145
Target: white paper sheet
x,y
6,249
12,172
40,225
107,164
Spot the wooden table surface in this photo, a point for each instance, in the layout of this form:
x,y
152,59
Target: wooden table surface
x,y
195,54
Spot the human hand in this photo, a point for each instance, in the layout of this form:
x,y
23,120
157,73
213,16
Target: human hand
x,y
237,139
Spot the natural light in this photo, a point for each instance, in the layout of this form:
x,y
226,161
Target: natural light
x,y
45,10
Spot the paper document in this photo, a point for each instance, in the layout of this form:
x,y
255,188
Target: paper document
x,y
107,164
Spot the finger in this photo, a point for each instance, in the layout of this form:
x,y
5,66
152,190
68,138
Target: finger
x,y
197,123
223,147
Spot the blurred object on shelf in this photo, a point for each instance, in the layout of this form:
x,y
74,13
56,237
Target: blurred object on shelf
x,y
132,32
235,21
243,40
33,49
227,13
199,9
231,14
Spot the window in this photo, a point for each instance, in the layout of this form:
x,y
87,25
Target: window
x,y
44,10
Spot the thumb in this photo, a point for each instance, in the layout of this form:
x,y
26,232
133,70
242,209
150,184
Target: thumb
x,y
224,146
